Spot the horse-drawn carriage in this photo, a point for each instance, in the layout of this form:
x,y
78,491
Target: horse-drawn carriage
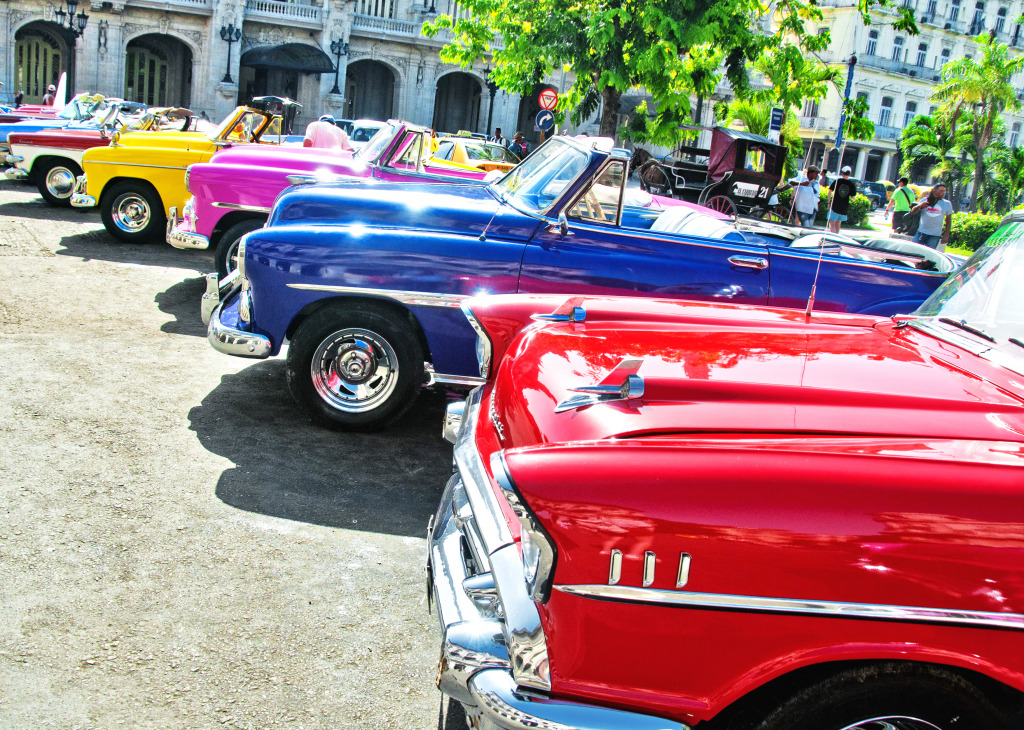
x,y
736,176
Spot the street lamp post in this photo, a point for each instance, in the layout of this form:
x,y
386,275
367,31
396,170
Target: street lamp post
x,y
229,34
492,89
72,26
339,49
842,117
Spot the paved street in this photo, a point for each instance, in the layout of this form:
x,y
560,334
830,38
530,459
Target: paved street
x,y
179,547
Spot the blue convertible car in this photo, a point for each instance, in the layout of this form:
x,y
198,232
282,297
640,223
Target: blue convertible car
x,y
365,280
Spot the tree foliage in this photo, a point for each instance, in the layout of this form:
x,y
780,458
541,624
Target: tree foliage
x,y
671,48
930,139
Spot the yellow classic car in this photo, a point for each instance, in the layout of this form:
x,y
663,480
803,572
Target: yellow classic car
x,y
468,153
140,177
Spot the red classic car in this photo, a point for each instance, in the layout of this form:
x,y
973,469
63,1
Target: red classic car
x,y
672,514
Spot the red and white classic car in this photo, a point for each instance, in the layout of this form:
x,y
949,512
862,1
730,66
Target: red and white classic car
x,y
672,514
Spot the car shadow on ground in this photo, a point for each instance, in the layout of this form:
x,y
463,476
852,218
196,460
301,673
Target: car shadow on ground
x,y
39,209
181,301
101,246
285,466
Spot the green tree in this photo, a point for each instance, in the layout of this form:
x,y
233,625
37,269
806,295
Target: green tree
x,y
671,48
974,93
929,139
1010,169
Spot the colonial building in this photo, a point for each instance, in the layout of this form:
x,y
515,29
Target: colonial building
x,y
896,74
349,58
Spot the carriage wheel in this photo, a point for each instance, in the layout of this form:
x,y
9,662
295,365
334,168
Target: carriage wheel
x,y
723,205
776,214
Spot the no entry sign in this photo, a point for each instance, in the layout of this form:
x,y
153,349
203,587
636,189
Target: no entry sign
x,y
547,99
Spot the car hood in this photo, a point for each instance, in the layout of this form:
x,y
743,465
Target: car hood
x,y
321,162
759,372
463,209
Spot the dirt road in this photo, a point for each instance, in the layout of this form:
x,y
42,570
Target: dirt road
x,y
179,547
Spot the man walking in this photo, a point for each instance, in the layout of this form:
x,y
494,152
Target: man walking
x,y
519,147
936,218
499,138
806,194
843,191
902,199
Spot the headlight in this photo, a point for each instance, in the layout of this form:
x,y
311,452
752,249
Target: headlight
x,y
538,550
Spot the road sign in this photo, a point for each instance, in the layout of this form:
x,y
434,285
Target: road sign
x,y
547,99
545,120
775,125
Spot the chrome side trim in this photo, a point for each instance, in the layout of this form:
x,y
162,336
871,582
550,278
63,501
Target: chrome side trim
x,y
615,568
831,609
469,381
412,298
683,576
246,208
650,560
135,164
502,705
484,358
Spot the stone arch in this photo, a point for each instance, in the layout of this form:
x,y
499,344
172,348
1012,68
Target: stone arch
x,y
528,109
457,98
370,89
40,55
158,70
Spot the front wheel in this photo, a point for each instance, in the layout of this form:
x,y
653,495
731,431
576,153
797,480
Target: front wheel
x,y
354,367
227,248
133,212
56,182
888,697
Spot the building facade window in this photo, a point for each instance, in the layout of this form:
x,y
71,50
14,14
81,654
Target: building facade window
x,y
944,58
897,48
872,48
922,54
910,113
1014,134
811,108
885,113
954,11
978,21
1001,20
933,6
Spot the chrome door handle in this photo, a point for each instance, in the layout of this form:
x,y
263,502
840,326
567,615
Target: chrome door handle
x,y
749,262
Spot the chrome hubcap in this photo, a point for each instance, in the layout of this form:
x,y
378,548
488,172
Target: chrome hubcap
x,y
131,212
60,182
893,723
354,370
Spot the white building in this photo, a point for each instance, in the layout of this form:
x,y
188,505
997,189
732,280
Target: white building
x,y
896,73
171,53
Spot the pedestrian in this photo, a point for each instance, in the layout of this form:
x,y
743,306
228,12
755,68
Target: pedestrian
x,y
325,134
50,98
934,209
499,138
900,203
519,147
19,98
842,191
806,194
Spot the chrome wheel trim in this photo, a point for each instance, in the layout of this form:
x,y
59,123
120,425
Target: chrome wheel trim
x,y
894,722
131,212
60,182
231,258
354,370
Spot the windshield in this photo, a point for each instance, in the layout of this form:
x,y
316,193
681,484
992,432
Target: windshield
x,y
984,299
373,149
543,176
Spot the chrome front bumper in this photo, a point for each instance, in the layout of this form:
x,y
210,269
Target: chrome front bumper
x,y
13,159
80,199
219,309
483,609
183,239
15,173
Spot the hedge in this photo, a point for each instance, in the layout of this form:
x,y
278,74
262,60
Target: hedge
x,y
971,230
860,206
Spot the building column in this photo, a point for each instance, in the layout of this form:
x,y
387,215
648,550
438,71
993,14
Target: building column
x,y
862,162
883,170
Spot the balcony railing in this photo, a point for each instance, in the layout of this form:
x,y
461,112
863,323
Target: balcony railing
x,y
203,7
885,132
289,13
385,27
899,67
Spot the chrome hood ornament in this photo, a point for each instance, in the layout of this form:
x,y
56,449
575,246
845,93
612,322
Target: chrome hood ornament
x,y
622,383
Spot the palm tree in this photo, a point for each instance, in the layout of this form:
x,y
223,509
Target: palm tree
x,y
1009,165
929,139
984,88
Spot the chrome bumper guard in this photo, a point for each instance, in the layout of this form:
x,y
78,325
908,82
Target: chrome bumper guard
x,y
13,159
482,605
80,199
183,239
223,337
15,173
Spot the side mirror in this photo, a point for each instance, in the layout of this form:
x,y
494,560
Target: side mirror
x,y
563,224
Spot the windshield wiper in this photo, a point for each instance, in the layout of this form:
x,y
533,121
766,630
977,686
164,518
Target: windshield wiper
x,y
967,328
1018,343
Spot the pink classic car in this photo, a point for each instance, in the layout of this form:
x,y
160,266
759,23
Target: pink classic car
x,y
233,193
671,514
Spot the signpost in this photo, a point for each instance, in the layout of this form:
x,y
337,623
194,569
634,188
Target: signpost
x,y
775,125
548,99
545,120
